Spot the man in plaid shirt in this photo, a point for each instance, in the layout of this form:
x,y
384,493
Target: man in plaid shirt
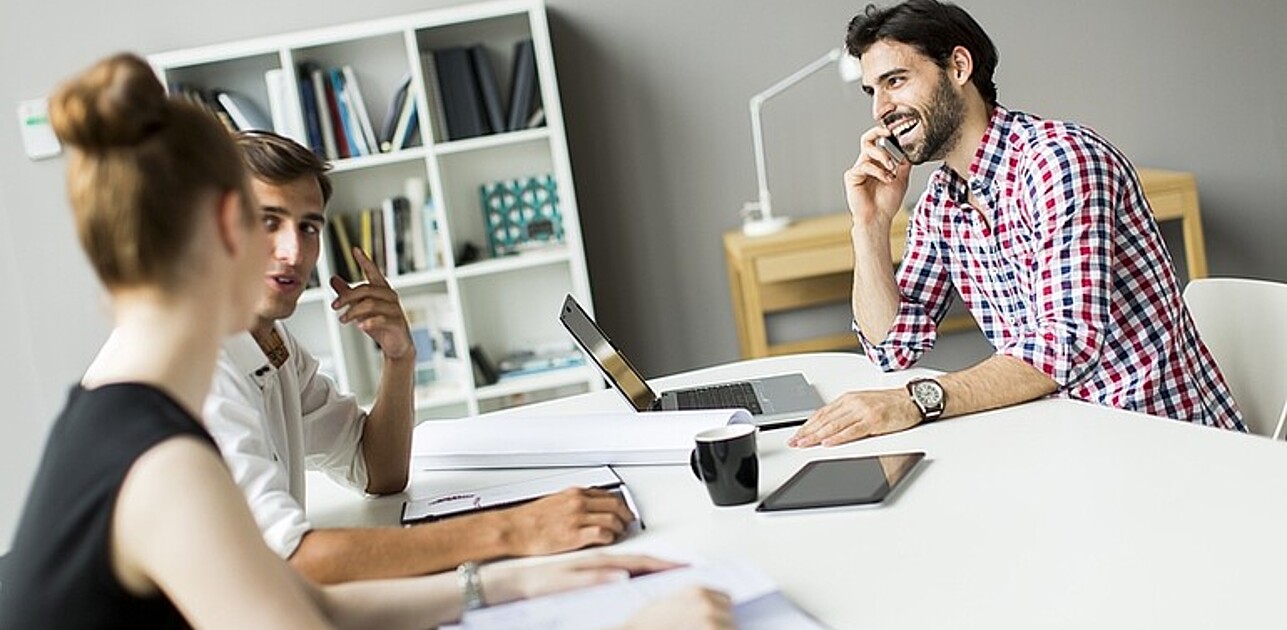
x,y
1041,226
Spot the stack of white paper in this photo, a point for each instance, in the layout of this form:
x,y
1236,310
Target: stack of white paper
x,y
758,604
515,441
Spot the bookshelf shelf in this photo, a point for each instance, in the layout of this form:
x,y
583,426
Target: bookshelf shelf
x,y
385,69
550,256
536,382
419,278
493,140
371,161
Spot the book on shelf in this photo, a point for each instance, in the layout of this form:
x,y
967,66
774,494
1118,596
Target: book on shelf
x,y
374,240
537,118
332,113
389,126
437,115
537,361
342,250
487,88
485,372
415,192
524,88
205,99
399,258
325,121
406,132
433,327
278,110
308,105
348,124
354,92
245,114
462,104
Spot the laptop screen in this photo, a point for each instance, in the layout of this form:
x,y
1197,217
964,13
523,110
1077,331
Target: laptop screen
x,y
611,362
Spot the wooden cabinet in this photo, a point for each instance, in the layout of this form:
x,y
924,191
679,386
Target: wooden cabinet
x,y
811,263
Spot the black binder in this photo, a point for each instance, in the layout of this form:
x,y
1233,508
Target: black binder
x,y
461,102
523,85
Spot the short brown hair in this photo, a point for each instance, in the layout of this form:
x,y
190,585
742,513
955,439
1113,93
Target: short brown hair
x,y
140,166
277,159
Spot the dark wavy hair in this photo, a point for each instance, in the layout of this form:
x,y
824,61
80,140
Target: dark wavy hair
x,y
278,160
933,28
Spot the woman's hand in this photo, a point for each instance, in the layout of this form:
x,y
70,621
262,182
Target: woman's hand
x,y
507,582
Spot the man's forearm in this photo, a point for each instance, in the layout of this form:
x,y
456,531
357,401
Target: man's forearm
x,y
1000,381
328,556
875,295
386,438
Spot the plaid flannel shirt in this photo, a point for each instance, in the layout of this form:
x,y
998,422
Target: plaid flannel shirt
x,y
1063,267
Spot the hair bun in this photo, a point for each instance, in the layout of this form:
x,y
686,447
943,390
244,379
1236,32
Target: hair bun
x,y
117,102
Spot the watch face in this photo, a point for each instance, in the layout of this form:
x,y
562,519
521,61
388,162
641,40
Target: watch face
x,y
928,393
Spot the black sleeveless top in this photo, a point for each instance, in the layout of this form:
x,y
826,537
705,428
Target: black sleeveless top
x,y
59,572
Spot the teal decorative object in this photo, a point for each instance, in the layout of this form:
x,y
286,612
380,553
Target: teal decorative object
x,y
521,214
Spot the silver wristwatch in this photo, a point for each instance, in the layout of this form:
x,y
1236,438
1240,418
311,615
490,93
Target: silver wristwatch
x,y
471,586
928,396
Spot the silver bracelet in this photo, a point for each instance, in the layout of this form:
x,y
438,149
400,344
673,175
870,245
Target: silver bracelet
x,y
471,586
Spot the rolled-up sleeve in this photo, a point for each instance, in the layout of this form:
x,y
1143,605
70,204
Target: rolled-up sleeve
x,y
1072,201
234,417
925,293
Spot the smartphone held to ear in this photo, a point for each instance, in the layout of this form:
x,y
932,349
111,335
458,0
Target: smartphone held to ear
x,y
890,145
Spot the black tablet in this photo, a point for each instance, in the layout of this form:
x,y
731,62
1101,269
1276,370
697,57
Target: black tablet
x,y
828,483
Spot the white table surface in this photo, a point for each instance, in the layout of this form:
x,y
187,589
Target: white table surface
x,y
1052,514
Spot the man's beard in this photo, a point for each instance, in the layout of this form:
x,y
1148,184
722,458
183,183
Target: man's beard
x,y
942,119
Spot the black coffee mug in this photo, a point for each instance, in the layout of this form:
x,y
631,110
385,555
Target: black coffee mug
x,y
725,460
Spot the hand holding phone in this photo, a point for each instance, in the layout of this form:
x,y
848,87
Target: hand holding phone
x,y
891,146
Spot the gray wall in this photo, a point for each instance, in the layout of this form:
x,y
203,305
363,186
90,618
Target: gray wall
x,y
660,139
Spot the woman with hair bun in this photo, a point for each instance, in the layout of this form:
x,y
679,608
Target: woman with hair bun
x,y
132,520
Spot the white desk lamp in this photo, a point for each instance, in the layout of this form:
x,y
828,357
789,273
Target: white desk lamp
x,y
757,216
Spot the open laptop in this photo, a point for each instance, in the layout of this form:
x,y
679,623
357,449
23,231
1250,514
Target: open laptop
x,y
774,401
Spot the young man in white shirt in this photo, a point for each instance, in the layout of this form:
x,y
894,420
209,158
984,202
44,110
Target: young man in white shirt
x,y
274,415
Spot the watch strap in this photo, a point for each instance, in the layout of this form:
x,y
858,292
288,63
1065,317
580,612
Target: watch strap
x,y
471,586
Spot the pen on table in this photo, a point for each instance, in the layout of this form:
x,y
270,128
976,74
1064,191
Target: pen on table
x,y
629,499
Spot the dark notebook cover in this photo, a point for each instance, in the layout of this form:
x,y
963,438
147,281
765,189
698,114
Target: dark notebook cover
x,y
390,126
523,85
461,102
487,88
308,101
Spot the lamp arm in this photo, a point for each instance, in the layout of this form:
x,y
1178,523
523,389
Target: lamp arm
x,y
757,129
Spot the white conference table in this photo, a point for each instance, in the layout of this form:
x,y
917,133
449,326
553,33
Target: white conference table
x,y
1052,514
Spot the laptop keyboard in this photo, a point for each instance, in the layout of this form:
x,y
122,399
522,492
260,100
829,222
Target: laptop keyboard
x,y
731,396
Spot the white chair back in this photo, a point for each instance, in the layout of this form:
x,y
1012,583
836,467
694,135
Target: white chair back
x,y
1244,324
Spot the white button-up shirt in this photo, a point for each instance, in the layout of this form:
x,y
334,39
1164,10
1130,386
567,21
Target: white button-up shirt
x,y
271,423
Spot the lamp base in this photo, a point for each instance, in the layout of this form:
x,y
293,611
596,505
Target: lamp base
x,y
763,227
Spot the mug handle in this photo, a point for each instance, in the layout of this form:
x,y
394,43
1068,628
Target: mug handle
x,y
692,463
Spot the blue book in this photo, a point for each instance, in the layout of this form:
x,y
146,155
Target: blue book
x,y
308,101
349,127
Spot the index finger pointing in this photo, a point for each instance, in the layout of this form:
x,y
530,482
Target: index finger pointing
x,y
372,271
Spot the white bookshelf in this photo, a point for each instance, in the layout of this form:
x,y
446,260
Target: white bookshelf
x,y
502,305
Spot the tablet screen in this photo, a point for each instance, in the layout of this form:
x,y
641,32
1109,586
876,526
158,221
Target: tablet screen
x,y
844,481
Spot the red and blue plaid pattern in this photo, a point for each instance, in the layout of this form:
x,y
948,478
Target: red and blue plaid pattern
x,y
1063,267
